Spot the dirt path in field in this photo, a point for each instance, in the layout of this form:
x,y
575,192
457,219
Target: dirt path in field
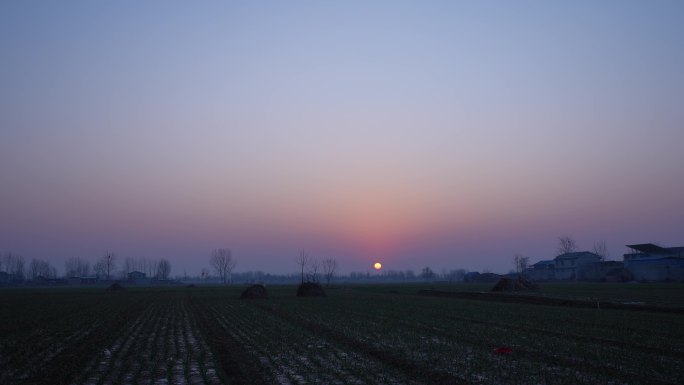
x,y
548,301
573,337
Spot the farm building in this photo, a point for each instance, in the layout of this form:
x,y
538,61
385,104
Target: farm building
x,y
138,278
4,277
476,277
649,262
542,271
133,275
572,266
613,271
88,280
77,280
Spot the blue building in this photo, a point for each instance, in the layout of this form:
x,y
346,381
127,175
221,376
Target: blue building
x,y
649,262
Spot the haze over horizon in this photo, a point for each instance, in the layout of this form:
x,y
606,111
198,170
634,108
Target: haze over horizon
x,y
440,133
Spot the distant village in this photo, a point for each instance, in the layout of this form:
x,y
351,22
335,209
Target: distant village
x,y
645,262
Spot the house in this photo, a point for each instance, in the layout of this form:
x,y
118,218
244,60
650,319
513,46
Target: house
x,y
4,278
91,280
136,275
650,262
138,278
475,277
605,271
573,266
542,271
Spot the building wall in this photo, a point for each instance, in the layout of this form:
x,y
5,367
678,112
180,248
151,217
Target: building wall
x,y
666,269
573,268
541,274
597,271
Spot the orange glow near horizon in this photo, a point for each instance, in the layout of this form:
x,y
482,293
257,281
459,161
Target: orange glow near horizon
x,y
377,266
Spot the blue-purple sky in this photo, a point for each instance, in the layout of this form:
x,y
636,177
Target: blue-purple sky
x,y
451,134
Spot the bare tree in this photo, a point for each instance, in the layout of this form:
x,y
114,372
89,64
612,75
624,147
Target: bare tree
x,y
129,266
14,266
34,269
163,269
105,266
150,267
566,244
99,269
312,274
601,249
132,264
222,262
302,260
76,267
427,273
521,263
40,268
329,266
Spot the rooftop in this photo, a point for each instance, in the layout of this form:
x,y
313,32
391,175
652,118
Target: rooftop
x,y
577,254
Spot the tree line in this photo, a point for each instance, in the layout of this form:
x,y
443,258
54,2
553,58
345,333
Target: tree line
x,y
104,268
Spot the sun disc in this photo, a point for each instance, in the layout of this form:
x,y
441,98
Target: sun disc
x,y
377,266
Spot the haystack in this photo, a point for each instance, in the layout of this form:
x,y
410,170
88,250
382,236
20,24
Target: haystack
x,y
115,287
255,292
310,289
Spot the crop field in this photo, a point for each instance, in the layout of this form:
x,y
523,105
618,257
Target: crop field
x,y
383,334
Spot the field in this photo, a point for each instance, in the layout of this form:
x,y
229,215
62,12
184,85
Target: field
x,y
384,334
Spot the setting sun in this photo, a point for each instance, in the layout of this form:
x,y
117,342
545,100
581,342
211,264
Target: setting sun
x,y
377,266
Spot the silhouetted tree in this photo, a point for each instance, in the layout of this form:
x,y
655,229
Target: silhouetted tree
x,y
521,263
105,266
329,266
312,274
76,267
40,268
163,269
427,273
99,269
566,244
601,249
149,267
132,264
223,263
302,260
14,266
110,264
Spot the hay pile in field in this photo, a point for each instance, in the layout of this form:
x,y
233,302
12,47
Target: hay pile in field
x,y
520,284
255,292
310,289
115,287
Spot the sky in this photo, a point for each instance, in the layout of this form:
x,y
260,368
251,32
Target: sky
x,y
449,134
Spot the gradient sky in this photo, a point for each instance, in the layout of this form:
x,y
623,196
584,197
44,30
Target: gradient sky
x,y
451,134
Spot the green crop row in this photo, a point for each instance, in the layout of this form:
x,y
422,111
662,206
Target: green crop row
x,y
355,335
